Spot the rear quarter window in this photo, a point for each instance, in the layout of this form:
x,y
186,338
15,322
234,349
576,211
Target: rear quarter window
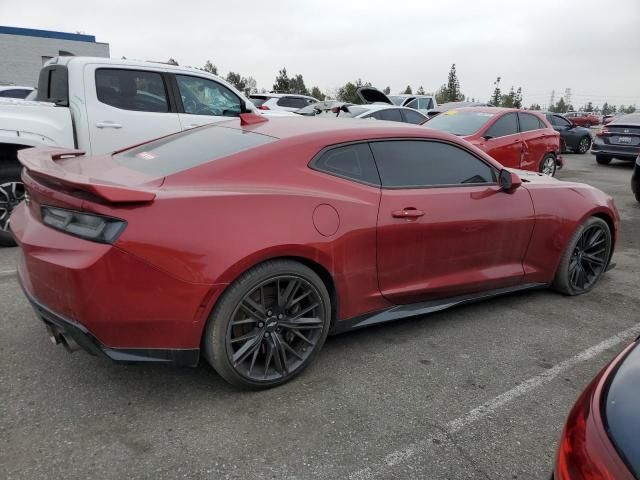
x,y
353,162
188,149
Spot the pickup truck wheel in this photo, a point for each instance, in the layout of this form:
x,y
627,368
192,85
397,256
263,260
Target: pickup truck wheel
x,y
11,194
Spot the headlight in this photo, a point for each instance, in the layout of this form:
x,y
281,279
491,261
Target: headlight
x,y
96,228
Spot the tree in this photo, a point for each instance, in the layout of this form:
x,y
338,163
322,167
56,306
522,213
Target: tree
x,y
535,106
496,98
282,82
630,109
171,61
420,90
316,93
606,110
509,99
560,107
250,85
442,95
210,67
236,80
453,86
387,90
517,100
408,90
296,85
349,92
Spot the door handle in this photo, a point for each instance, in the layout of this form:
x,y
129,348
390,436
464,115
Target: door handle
x,y
408,212
108,125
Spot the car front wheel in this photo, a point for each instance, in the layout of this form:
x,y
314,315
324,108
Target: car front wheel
x,y
548,165
585,259
269,325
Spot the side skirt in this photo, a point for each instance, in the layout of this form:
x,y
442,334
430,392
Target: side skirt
x,y
423,308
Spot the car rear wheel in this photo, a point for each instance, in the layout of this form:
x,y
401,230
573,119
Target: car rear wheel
x,y
583,145
585,259
269,325
11,194
548,165
602,160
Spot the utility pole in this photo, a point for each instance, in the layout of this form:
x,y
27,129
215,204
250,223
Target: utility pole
x,y
567,96
552,99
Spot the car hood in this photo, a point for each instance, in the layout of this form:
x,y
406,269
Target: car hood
x,y
373,95
528,176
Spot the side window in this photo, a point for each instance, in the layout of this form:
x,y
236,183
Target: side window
x,y
561,122
415,164
354,162
201,96
505,125
390,114
292,102
15,93
413,117
131,89
528,122
413,104
425,104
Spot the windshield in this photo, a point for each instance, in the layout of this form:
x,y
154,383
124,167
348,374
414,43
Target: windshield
x,y
396,99
459,122
258,101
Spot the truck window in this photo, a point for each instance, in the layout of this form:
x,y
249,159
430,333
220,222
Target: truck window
x,y
201,96
131,89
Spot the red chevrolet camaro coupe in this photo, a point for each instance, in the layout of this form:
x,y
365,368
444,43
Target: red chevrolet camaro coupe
x,y
249,241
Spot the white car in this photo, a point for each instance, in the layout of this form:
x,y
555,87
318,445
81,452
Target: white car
x,y
100,105
423,103
14,91
287,102
374,108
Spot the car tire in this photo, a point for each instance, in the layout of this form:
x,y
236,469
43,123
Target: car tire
x,y
251,315
11,193
548,165
583,145
585,259
602,160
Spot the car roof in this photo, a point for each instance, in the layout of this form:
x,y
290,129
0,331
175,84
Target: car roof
x,y
11,87
279,95
335,130
490,109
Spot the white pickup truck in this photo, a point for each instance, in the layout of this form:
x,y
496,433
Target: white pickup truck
x,y
100,105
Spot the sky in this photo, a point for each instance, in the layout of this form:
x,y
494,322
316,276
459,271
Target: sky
x,y
590,46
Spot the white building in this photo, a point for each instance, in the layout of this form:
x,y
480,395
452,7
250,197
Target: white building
x,y
24,50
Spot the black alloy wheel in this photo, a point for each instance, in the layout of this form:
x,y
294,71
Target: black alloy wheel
x,y
583,145
12,192
586,258
278,319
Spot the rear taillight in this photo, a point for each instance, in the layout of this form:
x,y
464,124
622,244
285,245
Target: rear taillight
x,y
263,107
602,132
96,228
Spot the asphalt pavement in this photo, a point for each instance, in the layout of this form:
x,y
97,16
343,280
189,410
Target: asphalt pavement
x,y
480,391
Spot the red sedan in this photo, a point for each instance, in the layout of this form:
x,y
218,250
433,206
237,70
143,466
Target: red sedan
x,y
248,242
515,138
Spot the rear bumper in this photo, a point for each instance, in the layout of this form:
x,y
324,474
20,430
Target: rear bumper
x,y
107,300
75,336
618,151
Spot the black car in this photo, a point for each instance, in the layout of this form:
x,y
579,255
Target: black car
x,y
635,179
619,139
572,136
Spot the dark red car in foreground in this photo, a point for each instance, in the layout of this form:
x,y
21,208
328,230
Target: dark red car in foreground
x,y
515,138
601,437
250,242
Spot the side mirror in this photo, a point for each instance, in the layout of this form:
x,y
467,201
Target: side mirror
x,y
508,181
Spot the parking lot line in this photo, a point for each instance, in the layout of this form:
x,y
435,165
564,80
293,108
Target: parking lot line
x,y
454,426
7,273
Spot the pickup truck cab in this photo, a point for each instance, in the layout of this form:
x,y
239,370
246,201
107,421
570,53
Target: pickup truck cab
x,y
100,105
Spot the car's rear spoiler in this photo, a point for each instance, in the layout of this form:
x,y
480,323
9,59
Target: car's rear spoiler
x,y
42,162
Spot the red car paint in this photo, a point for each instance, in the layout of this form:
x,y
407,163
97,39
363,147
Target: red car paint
x,y
584,119
585,451
524,150
205,226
